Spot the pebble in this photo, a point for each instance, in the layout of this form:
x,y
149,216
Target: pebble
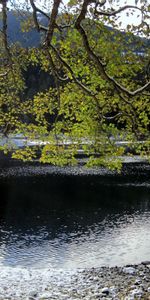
x,y
146,262
33,294
105,290
137,281
137,292
129,270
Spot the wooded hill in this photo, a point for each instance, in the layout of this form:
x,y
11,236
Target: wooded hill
x,y
31,38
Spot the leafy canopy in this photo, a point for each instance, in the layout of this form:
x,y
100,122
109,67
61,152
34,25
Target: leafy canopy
x,y
101,80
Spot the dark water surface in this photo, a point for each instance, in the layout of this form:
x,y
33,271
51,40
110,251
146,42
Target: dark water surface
x,y
72,222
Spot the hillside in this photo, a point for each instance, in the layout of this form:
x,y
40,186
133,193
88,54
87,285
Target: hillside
x,y
15,34
32,38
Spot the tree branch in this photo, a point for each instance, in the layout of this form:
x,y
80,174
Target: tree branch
x,y
113,117
36,22
80,84
3,74
4,28
114,12
52,22
42,12
54,69
67,66
128,92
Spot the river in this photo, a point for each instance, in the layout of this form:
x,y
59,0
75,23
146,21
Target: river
x,y
70,222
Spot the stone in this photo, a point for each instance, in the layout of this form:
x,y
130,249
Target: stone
x,y
32,295
146,262
105,291
129,270
46,295
137,281
137,292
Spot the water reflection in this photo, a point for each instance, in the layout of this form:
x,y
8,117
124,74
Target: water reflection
x,y
65,222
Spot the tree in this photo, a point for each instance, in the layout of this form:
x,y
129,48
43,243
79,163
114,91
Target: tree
x,y
101,79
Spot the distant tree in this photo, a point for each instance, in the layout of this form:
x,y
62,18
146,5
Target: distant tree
x,y
101,77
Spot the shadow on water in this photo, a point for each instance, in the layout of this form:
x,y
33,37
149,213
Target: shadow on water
x,y
25,197
67,221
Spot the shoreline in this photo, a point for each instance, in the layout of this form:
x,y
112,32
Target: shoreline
x,y
119,283
132,168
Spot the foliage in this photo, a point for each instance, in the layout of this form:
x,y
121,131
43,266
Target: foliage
x,y
101,90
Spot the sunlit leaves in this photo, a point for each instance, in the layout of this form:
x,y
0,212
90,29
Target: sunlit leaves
x,y
26,154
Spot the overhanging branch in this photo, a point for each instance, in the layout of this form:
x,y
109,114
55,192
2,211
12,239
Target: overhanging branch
x,y
114,12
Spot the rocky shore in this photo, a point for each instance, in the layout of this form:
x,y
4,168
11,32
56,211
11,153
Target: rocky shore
x,y
119,283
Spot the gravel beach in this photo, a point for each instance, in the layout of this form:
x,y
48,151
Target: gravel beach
x,y
129,282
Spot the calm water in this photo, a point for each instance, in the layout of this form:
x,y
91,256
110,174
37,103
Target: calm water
x,y
73,222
